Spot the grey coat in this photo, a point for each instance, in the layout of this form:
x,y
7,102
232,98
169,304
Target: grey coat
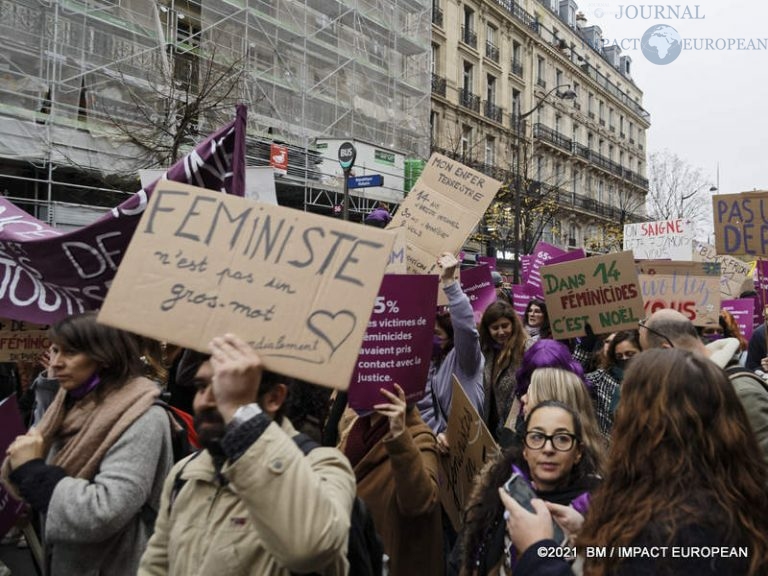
x,y
100,527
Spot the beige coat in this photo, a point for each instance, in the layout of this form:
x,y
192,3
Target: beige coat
x,y
281,511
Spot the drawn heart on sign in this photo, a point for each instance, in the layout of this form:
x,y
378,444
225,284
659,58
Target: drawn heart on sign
x,y
333,329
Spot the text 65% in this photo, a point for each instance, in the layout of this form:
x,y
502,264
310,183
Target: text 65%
x,y
384,305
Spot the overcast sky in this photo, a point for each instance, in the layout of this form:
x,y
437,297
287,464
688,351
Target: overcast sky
x,y
706,106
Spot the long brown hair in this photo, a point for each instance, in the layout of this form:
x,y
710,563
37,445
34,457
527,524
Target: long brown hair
x,y
514,348
683,455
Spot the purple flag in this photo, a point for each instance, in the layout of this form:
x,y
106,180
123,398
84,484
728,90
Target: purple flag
x,y
397,345
48,275
10,427
477,284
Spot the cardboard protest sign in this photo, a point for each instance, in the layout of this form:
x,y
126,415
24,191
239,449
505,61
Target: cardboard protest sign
x,y
477,284
397,345
299,287
691,288
743,312
602,291
441,210
22,341
741,223
542,254
671,239
733,271
471,445
534,280
10,427
397,260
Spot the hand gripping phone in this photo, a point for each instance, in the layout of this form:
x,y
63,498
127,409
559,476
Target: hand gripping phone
x,y
520,490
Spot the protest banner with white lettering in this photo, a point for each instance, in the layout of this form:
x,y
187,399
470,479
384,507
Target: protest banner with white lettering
x,y
21,341
490,260
741,223
602,291
525,267
743,312
441,210
520,298
542,254
397,345
691,288
299,287
477,284
259,182
11,426
733,271
672,239
47,275
471,446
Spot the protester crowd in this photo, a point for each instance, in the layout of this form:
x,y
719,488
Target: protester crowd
x,y
641,451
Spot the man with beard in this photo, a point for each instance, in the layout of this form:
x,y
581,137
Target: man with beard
x,y
250,502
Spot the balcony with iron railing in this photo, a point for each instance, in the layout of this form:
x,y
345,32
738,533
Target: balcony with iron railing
x,y
469,37
492,52
437,15
469,100
494,112
517,67
438,85
546,134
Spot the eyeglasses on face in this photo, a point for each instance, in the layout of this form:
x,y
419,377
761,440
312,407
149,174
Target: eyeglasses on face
x,y
644,324
562,441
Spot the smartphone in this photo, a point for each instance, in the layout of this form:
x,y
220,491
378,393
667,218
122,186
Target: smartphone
x,y
518,487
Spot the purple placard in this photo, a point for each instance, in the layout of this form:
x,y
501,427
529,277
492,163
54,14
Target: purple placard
x,y
525,267
490,260
397,345
10,427
743,310
48,275
520,298
477,284
542,255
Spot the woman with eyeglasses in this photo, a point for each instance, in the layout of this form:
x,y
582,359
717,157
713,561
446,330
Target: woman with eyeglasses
x,y
606,380
682,475
560,468
536,320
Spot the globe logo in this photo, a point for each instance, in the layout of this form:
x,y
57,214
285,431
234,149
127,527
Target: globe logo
x,y
661,44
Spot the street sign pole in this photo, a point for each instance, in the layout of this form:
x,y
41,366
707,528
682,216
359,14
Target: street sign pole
x,y
347,155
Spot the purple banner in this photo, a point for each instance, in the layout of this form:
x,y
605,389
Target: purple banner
x,y
542,255
10,427
477,284
743,311
47,275
397,345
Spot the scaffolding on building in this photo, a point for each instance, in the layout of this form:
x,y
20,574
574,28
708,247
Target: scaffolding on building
x,y
85,81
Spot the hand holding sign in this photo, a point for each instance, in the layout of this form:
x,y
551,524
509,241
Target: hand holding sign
x,y
447,263
237,373
26,447
394,410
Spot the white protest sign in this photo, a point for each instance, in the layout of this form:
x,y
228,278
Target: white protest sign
x,y
299,287
671,239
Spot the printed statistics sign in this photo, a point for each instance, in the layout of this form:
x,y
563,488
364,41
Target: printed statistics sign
x,y
397,345
441,210
602,291
477,284
672,239
691,288
298,287
741,223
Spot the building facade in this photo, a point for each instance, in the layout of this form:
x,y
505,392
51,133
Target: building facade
x,y
526,92
92,90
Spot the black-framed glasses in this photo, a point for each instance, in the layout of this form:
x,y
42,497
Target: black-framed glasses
x,y
562,441
644,324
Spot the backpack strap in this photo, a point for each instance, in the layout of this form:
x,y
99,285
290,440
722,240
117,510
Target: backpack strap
x,y
738,372
179,482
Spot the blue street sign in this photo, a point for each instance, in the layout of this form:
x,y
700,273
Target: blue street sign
x,y
367,181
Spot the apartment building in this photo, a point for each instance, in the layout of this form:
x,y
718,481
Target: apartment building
x,y
528,88
92,90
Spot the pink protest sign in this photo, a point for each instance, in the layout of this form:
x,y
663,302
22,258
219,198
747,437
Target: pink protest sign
x,y
10,427
397,344
534,279
520,298
477,284
743,311
525,267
